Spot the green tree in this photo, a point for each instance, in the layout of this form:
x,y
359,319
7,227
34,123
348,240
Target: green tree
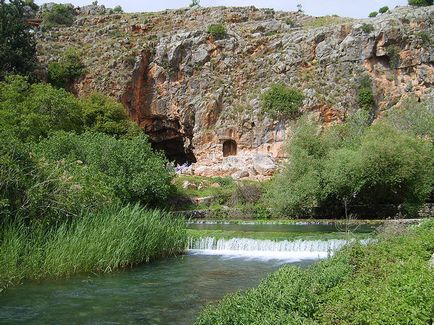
x,y
373,14
383,10
66,70
420,3
17,45
32,111
59,15
353,163
103,114
118,9
127,166
282,102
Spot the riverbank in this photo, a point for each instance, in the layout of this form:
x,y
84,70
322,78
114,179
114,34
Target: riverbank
x,y
104,241
385,282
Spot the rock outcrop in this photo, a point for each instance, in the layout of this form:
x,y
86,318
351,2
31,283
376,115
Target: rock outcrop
x,y
199,99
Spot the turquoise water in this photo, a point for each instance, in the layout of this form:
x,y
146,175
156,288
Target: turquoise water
x,y
168,292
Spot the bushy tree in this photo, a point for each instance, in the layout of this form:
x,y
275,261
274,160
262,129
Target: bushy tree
x,y
383,10
17,45
128,166
282,102
104,114
353,163
66,70
373,14
420,3
33,111
58,15
118,10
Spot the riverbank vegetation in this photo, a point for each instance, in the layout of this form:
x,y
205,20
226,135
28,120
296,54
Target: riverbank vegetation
x,y
387,163
382,283
101,241
73,173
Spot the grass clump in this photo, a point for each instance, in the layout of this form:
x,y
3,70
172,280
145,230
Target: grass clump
x,y
368,28
282,102
217,31
102,241
385,283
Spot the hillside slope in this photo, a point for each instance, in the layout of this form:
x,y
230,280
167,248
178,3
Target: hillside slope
x,y
197,97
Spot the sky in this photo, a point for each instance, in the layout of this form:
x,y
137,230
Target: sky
x,y
347,8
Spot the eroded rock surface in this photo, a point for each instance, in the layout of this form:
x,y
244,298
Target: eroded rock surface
x,y
192,94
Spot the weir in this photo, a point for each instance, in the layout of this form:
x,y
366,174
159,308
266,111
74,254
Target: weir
x,y
297,250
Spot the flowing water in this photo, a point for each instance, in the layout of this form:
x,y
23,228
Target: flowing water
x,y
171,291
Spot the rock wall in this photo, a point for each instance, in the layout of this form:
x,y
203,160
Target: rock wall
x,y
195,96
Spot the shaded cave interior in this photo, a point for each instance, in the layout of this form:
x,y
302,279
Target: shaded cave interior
x,y
175,150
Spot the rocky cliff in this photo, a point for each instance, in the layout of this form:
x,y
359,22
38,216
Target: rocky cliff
x,y
198,98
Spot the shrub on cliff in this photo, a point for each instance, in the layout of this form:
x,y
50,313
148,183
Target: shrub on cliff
x,y
420,3
282,102
58,15
17,45
383,10
373,14
63,72
217,31
365,95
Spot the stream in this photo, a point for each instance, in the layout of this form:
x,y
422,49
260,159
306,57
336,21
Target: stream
x,y
171,291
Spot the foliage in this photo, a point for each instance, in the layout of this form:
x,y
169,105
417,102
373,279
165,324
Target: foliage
x,y
102,241
393,55
365,95
66,70
353,162
425,38
373,14
127,166
383,10
368,28
217,31
420,3
385,283
32,111
282,102
17,45
59,15
414,117
118,9
104,114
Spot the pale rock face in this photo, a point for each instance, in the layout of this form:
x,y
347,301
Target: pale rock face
x,y
195,96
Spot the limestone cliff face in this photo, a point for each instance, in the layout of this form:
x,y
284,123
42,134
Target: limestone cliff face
x,y
198,98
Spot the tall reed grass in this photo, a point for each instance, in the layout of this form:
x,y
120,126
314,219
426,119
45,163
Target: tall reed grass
x,y
102,241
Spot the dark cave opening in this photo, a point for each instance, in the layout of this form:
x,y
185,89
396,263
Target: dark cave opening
x,y
175,151
229,148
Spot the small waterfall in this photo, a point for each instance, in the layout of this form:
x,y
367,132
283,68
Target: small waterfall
x,y
266,249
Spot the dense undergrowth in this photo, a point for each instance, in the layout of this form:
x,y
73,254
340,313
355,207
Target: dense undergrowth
x,y
389,282
103,241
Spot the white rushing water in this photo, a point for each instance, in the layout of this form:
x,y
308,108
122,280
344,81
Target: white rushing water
x,y
290,251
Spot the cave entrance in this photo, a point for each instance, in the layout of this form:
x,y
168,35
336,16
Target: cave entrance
x,y
175,151
229,148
